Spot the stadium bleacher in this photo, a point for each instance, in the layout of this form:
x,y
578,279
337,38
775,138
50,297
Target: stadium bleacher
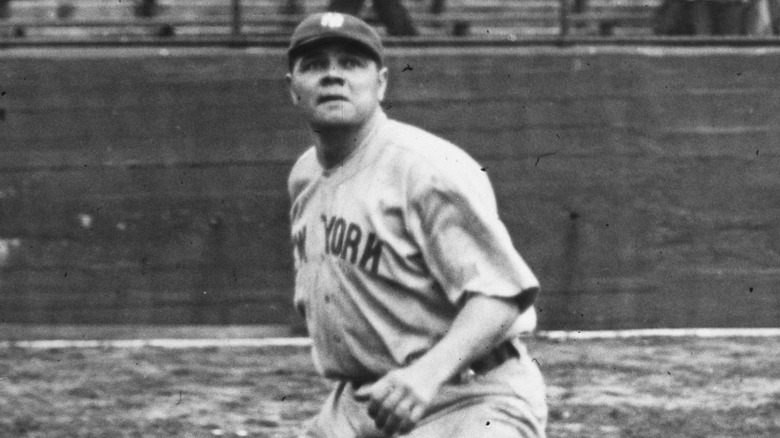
x,y
472,18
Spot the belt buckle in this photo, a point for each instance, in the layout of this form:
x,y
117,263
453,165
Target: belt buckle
x,y
465,376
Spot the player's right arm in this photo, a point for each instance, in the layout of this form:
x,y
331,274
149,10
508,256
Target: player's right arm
x,y
453,217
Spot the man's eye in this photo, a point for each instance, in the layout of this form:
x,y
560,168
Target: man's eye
x,y
314,64
352,62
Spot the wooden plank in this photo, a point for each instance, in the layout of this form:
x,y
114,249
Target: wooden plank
x,y
172,282
188,121
577,213
529,144
189,181
127,299
626,242
595,72
445,114
207,296
254,145
749,294
88,68
273,312
40,332
168,233
225,94
708,113
113,292
138,199
242,248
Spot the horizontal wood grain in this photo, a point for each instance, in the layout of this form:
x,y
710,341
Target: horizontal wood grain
x,y
641,185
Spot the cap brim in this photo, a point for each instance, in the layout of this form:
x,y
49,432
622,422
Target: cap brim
x,y
318,40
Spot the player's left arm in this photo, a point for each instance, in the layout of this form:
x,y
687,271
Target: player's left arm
x,y
399,400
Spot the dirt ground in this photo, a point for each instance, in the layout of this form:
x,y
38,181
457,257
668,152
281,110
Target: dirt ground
x,y
653,387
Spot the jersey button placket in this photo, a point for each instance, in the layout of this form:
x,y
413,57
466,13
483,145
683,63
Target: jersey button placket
x,y
335,338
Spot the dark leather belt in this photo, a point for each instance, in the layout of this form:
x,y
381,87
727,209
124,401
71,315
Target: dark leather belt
x,y
502,353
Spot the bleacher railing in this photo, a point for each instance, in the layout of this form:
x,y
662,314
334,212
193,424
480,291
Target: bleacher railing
x,y
269,21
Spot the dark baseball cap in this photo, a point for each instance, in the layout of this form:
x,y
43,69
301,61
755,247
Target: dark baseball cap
x,y
324,26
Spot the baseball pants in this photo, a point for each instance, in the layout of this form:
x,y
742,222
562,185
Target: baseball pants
x,y
506,402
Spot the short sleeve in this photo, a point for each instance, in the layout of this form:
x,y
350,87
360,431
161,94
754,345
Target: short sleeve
x,y
454,219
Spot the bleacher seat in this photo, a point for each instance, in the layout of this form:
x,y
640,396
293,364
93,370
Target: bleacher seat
x,y
482,18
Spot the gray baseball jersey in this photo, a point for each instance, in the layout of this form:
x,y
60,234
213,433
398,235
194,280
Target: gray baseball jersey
x,y
386,245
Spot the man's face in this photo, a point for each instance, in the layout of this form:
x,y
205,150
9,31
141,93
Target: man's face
x,y
337,85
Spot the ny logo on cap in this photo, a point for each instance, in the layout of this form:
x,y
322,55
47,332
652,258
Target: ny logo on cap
x,y
332,20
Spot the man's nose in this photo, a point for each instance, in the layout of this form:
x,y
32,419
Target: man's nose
x,y
334,74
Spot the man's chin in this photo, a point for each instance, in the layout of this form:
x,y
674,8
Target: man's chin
x,y
334,122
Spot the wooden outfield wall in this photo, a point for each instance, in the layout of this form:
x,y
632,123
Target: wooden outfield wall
x,y
147,185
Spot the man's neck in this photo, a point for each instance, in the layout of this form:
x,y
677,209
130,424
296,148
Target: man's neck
x,y
336,144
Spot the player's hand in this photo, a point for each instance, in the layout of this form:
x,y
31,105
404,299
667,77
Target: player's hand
x,y
398,400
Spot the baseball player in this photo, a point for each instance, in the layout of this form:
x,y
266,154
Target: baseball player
x,y
412,290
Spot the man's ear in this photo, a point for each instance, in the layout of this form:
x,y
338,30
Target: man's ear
x,y
383,75
293,95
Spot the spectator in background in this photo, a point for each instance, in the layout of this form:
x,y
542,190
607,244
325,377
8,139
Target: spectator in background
x,y
714,17
757,18
717,17
673,18
392,13
774,9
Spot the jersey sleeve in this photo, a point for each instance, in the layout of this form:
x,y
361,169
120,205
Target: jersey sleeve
x,y
454,218
301,173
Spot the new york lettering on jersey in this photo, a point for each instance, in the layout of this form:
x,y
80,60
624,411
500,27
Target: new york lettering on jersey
x,y
344,239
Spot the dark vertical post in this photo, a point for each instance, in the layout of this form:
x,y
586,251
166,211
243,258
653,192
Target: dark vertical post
x,y
564,18
236,25
438,6
5,9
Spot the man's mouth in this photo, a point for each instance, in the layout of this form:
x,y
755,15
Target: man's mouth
x,y
330,98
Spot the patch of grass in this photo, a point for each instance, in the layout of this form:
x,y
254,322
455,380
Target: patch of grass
x,y
610,388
